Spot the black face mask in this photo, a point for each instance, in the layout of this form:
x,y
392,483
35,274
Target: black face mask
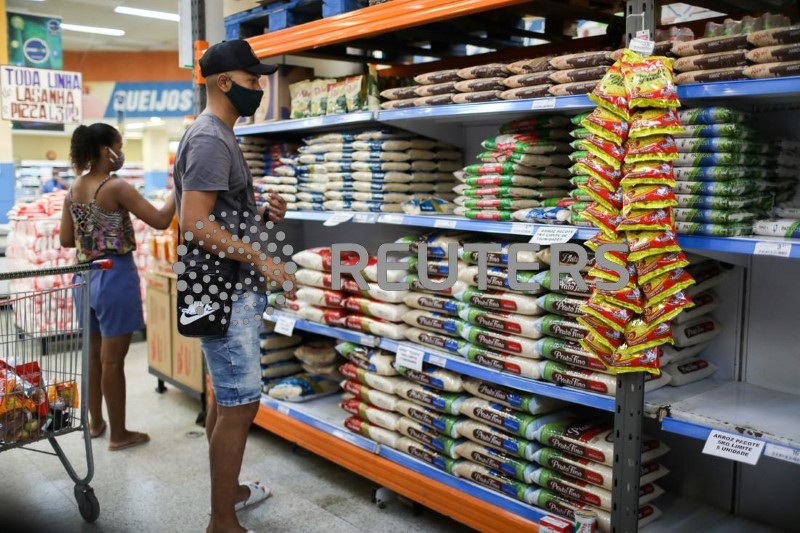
x,y
244,100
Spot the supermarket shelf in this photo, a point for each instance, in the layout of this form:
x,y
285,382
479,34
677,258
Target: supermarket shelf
x,y
326,123
686,515
657,403
457,364
317,426
738,408
738,245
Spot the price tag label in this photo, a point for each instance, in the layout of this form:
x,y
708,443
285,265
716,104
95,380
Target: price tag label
x,y
544,103
283,409
776,249
337,219
437,360
365,218
783,453
734,447
409,357
444,223
522,228
369,340
285,325
643,34
642,47
392,219
553,234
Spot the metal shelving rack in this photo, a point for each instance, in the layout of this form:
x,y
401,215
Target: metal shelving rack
x,y
692,411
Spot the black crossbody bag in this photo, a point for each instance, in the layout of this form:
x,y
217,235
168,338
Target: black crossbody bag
x,y
210,286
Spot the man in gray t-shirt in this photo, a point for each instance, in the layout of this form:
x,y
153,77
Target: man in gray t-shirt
x,y
212,178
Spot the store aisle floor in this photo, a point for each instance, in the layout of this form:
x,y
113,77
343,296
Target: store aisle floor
x,y
164,486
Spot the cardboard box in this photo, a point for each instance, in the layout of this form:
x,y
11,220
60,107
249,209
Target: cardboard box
x,y
159,324
187,356
277,102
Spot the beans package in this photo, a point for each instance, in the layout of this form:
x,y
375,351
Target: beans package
x,y
521,93
580,87
526,66
492,70
400,93
578,74
480,84
473,97
440,76
709,45
775,36
718,60
704,76
447,88
580,60
773,70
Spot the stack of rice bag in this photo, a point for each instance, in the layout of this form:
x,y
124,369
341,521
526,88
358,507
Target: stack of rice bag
x,y
521,175
410,411
271,166
726,177
375,171
313,367
372,311
784,223
631,180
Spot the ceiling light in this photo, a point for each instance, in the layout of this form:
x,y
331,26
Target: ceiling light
x,y
161,15
93,29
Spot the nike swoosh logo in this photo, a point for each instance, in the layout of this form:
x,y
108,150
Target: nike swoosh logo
x,y
185,319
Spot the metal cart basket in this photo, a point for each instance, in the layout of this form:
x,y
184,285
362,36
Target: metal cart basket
x,y
44,363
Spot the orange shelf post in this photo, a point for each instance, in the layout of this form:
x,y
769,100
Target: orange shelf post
x,y
463,508
368,22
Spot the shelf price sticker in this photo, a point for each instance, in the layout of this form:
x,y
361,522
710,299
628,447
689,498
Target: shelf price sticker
x,y
365,218
285,325
409,357
642,47
392,219
776,249
553,234
544,103
734,447
445,223
283,409
522,228
338,218
783,453
437,360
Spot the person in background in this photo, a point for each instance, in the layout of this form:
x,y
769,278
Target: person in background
x,y
56,183
96,220
212,178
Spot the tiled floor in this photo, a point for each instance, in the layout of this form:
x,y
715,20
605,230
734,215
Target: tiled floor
x,y
163,486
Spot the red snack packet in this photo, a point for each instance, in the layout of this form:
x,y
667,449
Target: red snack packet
x,y
646,360
605,220
598,169
612,93
650,83
647,220
646,243
648,197
607,125
609,314
648,173
611,153
667,309
601,333
655,265
640,335
654,122
662,287
610,200
630,297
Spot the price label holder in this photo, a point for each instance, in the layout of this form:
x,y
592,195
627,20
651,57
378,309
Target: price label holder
x,y
392,219
368,340
365,218
734,447
775,249
553,234
544,103
444,223
409,357
437,360
782,453
338,218
285,325
283,409
522,228
642,47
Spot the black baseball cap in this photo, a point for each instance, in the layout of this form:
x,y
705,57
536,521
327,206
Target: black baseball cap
x,y
232,55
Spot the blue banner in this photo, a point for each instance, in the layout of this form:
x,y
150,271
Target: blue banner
x,y
151,99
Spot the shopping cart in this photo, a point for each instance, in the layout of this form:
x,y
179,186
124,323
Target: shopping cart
x,y
44,363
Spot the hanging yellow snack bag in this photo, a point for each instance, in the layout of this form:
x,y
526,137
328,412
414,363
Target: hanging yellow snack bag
x,y
655,122
608,176
646,243
666,285
611,154
647,220
607,125
611,93
603,219
668,309
648,173
650,83
652,148
611,200
648,197
640,336
656,265
611,315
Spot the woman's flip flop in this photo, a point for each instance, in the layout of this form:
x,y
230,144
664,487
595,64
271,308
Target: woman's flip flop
x,y
99,433
258,493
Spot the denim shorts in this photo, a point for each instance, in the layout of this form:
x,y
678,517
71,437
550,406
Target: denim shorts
x,y
115,306
234,361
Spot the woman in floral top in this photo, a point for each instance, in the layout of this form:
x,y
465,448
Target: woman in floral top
x,y
96,220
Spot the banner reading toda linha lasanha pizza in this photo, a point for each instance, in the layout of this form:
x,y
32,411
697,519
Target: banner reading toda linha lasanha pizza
x,y
39,95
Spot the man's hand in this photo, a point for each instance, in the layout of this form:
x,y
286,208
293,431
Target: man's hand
x,y
277,272
275,209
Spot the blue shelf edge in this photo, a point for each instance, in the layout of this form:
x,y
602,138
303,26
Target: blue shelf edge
x,y
737,245
340,433
701,432
495,498
311,123
456,364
